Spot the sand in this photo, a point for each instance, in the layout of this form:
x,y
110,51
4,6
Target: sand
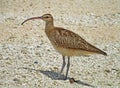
x,y
28,60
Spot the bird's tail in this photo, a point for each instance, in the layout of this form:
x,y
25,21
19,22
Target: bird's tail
x,y
104,53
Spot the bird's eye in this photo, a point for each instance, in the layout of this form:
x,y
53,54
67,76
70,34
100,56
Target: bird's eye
x,y
46,17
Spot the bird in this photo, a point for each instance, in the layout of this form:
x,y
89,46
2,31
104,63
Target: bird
x,y
66,42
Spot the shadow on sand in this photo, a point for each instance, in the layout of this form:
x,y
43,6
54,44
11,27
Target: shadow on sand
x,y
54,75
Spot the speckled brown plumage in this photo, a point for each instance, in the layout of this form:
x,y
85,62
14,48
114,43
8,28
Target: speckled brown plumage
x,y
66,39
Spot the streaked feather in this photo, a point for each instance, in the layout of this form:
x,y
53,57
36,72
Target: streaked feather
x,y
67,39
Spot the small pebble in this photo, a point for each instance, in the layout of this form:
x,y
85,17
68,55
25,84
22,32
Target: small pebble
x,y
36,62
72,80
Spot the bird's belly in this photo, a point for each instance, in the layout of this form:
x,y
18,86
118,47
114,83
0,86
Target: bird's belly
x,y
72,52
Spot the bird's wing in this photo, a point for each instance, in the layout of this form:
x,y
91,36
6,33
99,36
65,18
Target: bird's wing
x,y
68,39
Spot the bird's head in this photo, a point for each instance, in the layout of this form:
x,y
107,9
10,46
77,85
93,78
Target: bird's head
x,y
45,17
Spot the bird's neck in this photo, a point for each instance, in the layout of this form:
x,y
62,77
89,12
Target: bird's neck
x,y
49,25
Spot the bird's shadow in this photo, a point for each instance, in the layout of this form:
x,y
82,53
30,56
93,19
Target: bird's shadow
x,y
54,76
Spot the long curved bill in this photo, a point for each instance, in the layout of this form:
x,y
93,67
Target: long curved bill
x,y
30,19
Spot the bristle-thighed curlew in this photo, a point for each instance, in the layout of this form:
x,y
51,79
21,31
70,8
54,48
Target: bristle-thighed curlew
x,y
66,42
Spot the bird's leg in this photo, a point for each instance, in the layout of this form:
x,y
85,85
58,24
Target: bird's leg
x,y
68,66
63,65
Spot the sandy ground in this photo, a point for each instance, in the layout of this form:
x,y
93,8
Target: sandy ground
x,y
28,60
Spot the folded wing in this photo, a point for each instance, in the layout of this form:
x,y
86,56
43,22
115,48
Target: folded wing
x,y
68,39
